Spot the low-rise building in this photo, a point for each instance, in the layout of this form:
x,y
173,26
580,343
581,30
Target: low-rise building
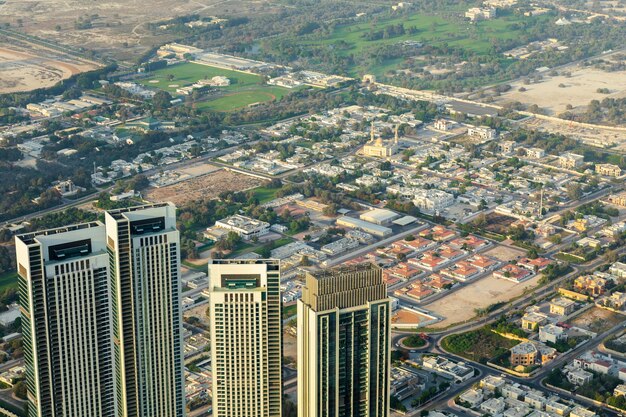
x,y
535,399
473,397
532,320
477,13
512,391
535,153
620,390
571,160
380,216
555,407
374,229
618,269
513,273
524,354
609,170
562,306
593,285
582,412
433,200
245,227
552,333
483,132
493,406
340,246
492,382
457,370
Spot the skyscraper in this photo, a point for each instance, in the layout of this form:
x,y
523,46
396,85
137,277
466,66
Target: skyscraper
x,y
66,316
144,246
246,337
344,344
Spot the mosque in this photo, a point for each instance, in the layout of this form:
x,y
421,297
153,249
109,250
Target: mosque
x,y
381,148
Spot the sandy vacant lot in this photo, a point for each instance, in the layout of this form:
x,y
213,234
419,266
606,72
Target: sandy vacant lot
x,y
204,186
404,316
116,27
459,306
597,320
579,89
23,71
505,253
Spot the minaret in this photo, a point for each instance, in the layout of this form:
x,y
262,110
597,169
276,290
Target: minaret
x,y
372,132
395,140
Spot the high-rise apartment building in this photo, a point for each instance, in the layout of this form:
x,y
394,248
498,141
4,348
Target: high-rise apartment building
x,y
144,253
246,337
344,343
101,316
66,319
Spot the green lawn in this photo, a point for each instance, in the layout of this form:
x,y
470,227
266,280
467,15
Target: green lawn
x,y
289,311
8,280
239,99
479,345
189,73
264,194
432,30
244,89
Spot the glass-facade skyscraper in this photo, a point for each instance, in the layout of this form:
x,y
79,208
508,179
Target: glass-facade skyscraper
x,y
344,343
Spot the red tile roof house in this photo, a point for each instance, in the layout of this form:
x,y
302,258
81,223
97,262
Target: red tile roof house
x,y
482,262
461,271
418,245
429,261
513,273
404,271
438,282
439,233
450,253
469,242
538,264
390,279
419,291
397,250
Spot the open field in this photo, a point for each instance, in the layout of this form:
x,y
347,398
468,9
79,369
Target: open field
x,y
182,75
117,27
479,345
244,89
8,281
459,306
577,90
202,187
429,29
241,99
597,320
594,136
406,316
25,69
505,253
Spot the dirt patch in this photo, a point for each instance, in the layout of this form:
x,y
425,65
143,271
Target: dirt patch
x,y
404,316
498,223
203,187
597,320
290,346
505,253
22,70
117,27
575,86
460,305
